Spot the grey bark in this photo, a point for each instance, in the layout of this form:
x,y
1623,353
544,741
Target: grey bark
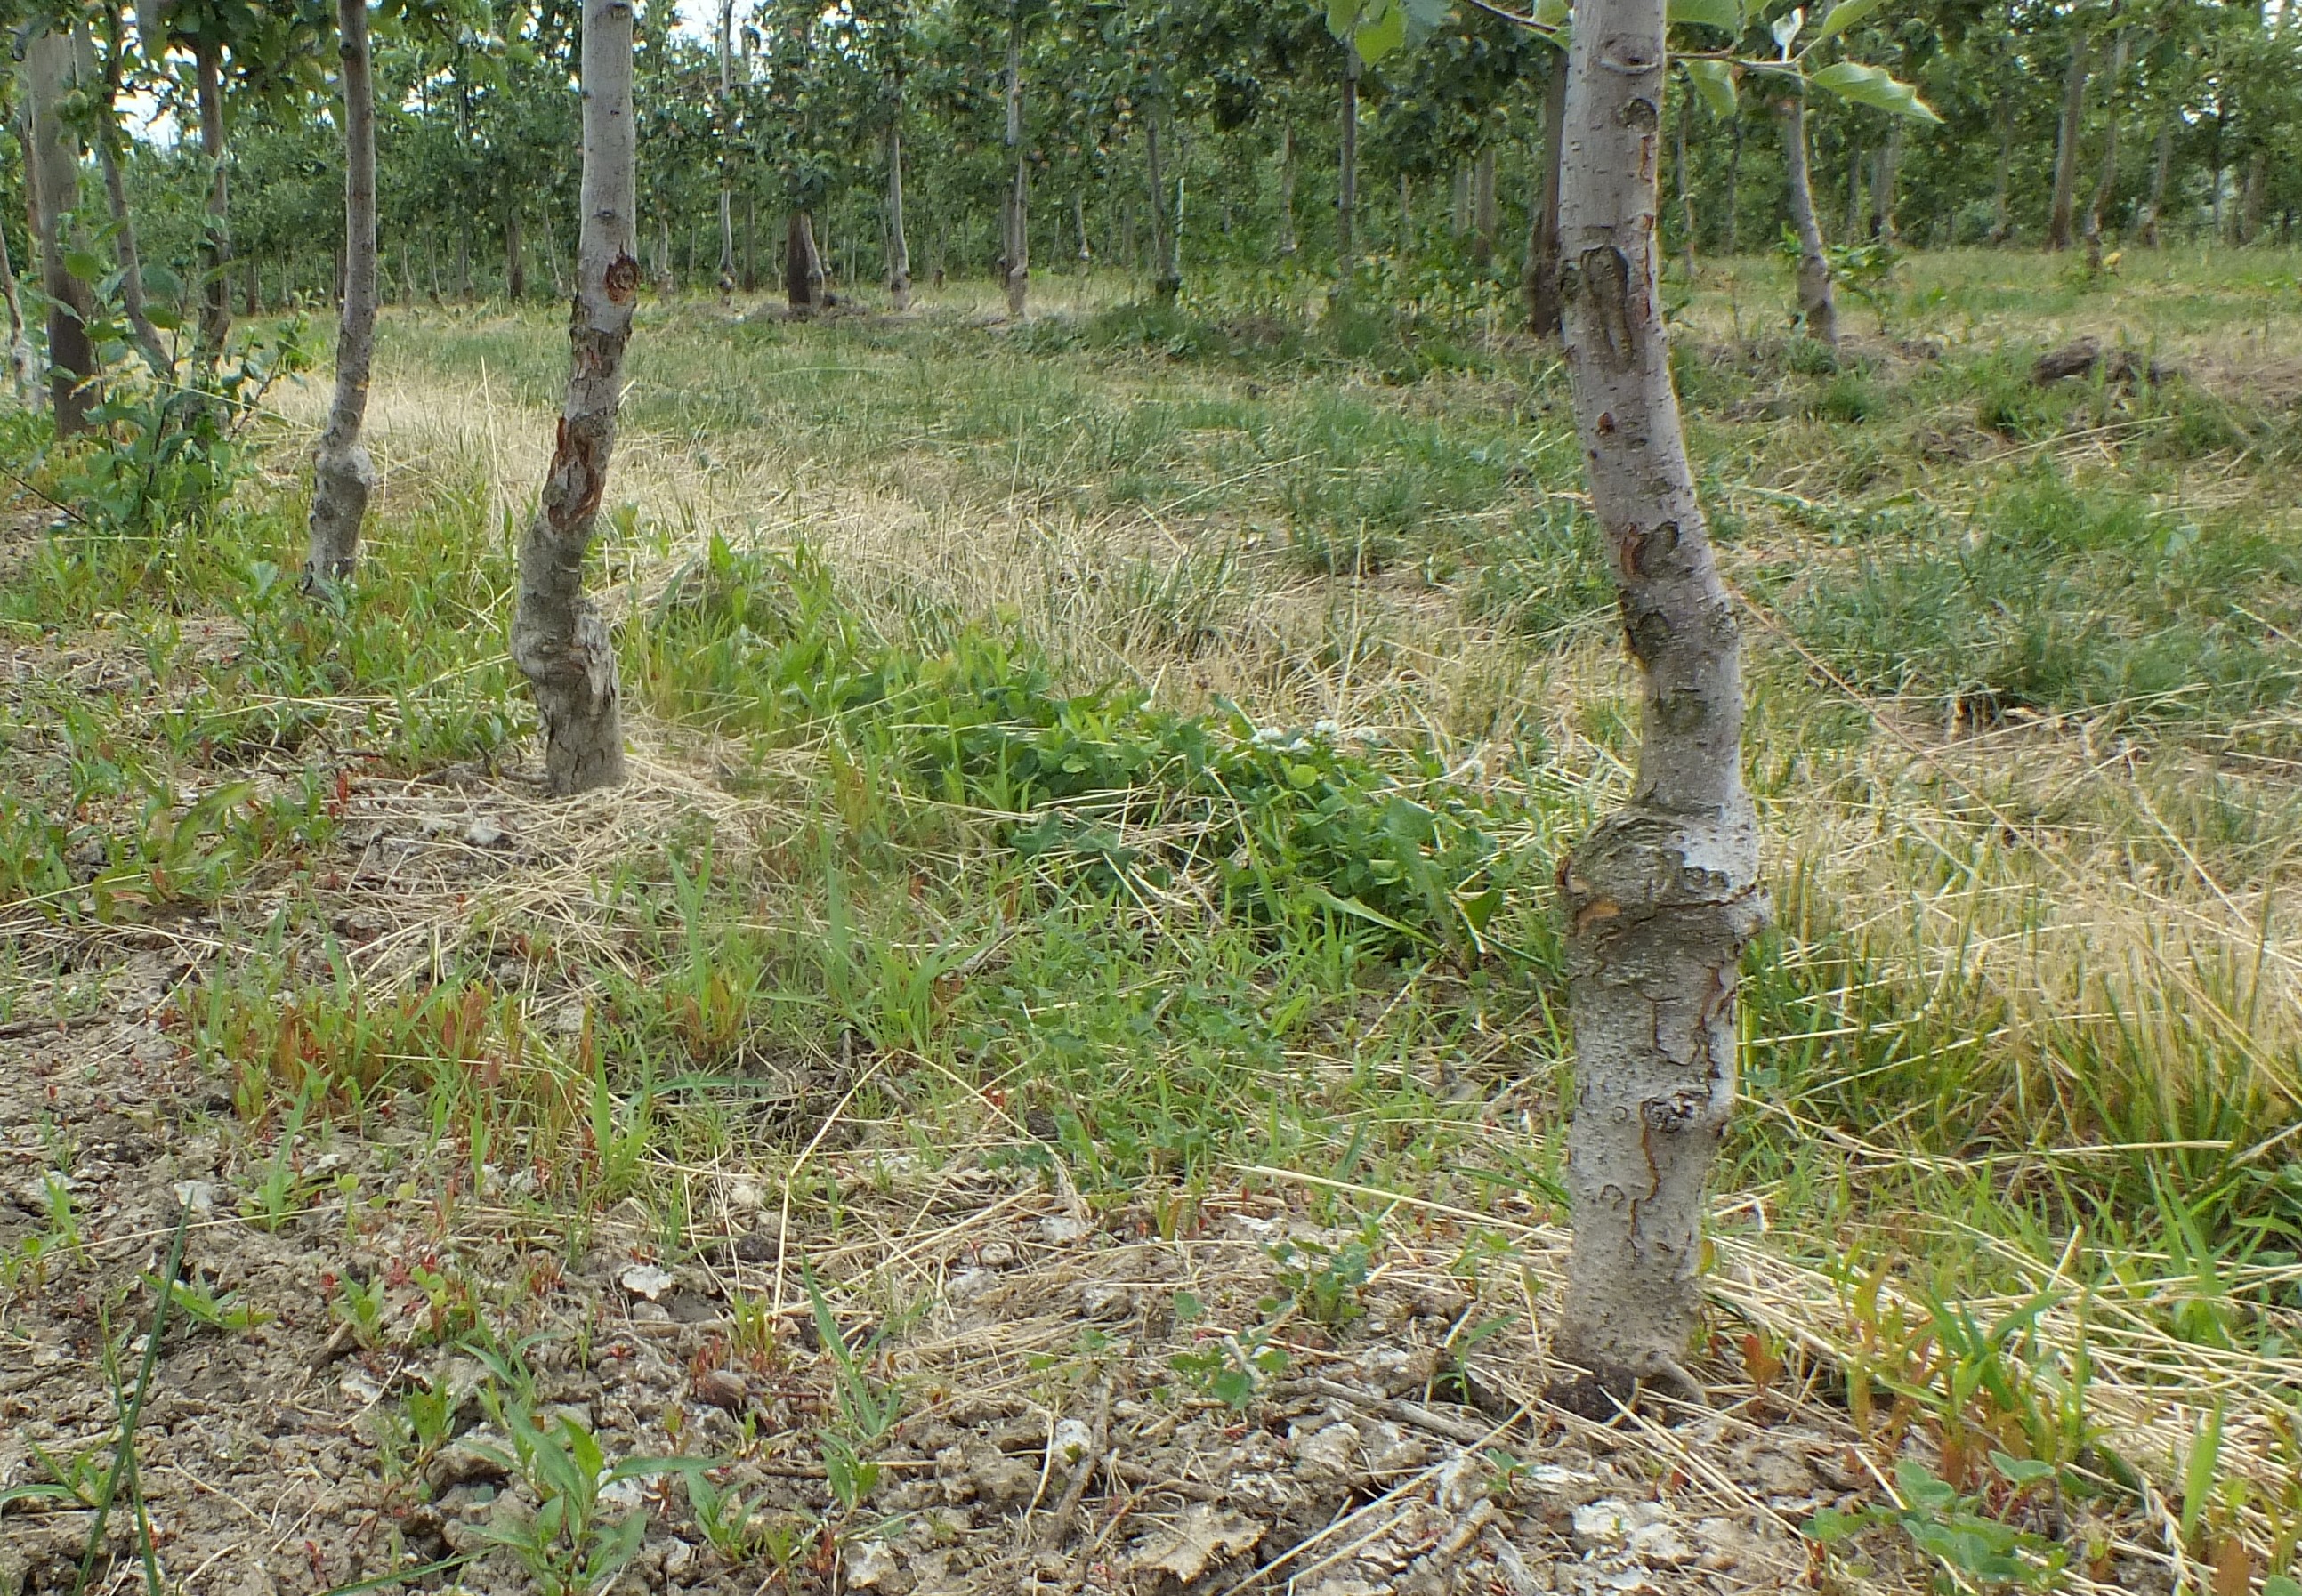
x,y
1678,180
1852,229
1484,220
1018,257
1079,221
2060,211
1539,280
215,244
802,265
515,257
123,220
1406,215
1662,896
899,245
23,363
2002,221
559,640
50,67
1287,243
1886,174
727,141
2106,179
343,477
2253,194
1734,187
2163,165
1347,177
1818,305
1166,267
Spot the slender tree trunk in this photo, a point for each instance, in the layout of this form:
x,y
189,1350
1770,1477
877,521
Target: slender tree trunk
x,y
1286,244
216,248
1166,275
1818,307
1406,215
1662,896
515,257
803,266
1850,229
1734,187
343,476
751,239
1346,179
1685,192
1079,221
2059,215
2002,217
1539,278
726,147
559,639
899,247
1885,176
1018,245
50,67
1484,220
2106,179
463,263
23,363
552,255
2254,195
115,193
2161,167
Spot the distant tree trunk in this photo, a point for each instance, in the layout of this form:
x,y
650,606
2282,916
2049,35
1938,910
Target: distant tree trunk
x,y
343,476
751,254
1079,221
2106,179
1166,268
1661,897
23,363
1018,257
515,257
803,266
50,68
2059,215
1406,215
2254,195
1286,244
725,151
1886,174
667,281
1485,221
215,246
1852,230
1347,176
559,638
1685,192
463,263
899,247
1818,307
1539,278
115,192
2163,165
1734,187
551,255
2002,219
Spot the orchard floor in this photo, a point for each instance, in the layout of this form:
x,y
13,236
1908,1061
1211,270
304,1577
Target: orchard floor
x,y
983,1099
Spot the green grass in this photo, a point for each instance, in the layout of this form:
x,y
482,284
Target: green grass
x,y
1142,741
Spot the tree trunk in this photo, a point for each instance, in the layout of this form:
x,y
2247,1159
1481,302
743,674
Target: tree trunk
x,y
559,640
1685,193
23,363
1539,278
215,246
1459,208
1347,177
899,247
1886,174
343,476
1852,229
1018,242
803,266
515,257
2163,165
1485,221
552,255
1079,221
50,67
1662,896
2066,146
115,193
464,263
2001,218
1734,187
2106,179
1166,271
2254,195
1286,244
1818,307
727,152
751,252
1406,215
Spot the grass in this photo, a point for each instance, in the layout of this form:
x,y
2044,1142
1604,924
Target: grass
x,y
1135,744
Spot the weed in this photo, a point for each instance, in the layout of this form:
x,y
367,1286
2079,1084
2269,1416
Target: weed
x,y
569,1546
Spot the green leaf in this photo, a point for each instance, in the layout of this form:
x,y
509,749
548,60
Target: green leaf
x,y
1842,16
1726,15
1873,86
1551,13
1714,80
2279,1584
2022,1471
1383,32
83,266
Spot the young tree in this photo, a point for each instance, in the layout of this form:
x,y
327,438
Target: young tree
x,y
2064,202
343,476
52,64
1818,307
1015,243
559,640
1539,279
115,193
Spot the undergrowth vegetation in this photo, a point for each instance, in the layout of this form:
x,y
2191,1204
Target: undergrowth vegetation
x,y
1141,743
